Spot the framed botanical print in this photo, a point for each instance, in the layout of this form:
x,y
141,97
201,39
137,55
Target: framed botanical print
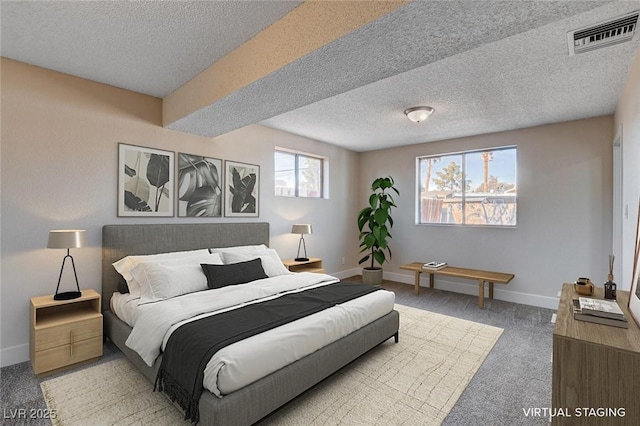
x,y
199,186
242,189
634,294
145,181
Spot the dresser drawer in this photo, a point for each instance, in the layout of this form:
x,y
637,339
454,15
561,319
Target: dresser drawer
x,y
68,354
68,334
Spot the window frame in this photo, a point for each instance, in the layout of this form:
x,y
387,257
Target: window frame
x,y
297,155
463,197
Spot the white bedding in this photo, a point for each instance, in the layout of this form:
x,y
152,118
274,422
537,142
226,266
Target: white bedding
x,y
125,306
246,361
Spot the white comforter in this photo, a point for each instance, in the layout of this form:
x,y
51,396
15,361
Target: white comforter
x,y
244,362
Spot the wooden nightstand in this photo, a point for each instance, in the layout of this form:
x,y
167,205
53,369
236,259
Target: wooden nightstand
x,y
65,332
314,264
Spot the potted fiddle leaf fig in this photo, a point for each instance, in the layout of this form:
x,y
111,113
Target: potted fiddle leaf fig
x,y
374,223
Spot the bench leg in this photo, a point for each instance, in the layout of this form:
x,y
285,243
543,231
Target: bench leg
x,y
416,283
490,290
431,280
481,294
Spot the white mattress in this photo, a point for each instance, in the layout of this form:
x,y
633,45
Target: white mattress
x,y
244,362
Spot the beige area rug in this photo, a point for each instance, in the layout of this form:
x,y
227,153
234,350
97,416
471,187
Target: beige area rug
x,y
414,382
112,393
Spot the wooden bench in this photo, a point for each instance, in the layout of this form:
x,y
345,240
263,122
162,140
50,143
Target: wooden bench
x,y
453,271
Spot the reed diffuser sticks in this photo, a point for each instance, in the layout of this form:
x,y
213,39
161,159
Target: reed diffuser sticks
x,y
610,276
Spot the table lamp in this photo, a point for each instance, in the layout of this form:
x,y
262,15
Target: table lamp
x,y
67,239
301,229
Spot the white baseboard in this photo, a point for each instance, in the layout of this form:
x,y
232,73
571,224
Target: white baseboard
x,y
472,289
14,355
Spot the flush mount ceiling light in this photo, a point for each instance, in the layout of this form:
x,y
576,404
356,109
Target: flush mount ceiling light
x,y
419,113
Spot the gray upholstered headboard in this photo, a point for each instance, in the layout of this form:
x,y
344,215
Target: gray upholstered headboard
x,y
119,241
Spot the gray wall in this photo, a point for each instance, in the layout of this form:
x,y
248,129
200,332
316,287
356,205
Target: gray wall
x,y
564,211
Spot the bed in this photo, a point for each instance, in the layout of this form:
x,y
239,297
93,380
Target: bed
x,y
252,402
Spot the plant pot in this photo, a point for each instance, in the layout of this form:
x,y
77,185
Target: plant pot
x,y
372,276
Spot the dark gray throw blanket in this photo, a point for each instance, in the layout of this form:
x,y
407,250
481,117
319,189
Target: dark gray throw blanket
x,y
192,345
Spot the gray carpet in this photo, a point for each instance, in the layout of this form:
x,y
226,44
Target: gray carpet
x,y
516,374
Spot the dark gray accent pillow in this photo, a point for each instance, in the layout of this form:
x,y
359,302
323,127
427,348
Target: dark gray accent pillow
x,y
123,287
219,276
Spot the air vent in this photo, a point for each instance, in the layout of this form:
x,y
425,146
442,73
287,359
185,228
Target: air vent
x,y
602,35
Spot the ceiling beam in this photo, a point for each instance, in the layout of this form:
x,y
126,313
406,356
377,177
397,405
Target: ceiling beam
x,y
305,29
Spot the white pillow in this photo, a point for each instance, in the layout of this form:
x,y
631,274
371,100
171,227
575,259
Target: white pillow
x,y
160,282
271,262
273,267
254,251
164,280
126,264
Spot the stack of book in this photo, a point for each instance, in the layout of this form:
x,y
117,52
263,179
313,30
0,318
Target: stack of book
x,y
599,311
434,266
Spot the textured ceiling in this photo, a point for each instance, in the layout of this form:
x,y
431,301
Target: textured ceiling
x,y
521,80
485,66
149,47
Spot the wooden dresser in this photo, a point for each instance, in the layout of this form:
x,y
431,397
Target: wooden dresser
x,y
65,332
596,368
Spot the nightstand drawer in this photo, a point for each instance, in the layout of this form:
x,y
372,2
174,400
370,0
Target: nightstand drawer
x,y
68,354
66,334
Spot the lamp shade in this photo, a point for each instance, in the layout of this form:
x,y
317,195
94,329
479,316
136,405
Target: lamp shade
x,y
66,238
419,113
301,229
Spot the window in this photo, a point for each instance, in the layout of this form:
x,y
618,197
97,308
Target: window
x,y
298,175
468,188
